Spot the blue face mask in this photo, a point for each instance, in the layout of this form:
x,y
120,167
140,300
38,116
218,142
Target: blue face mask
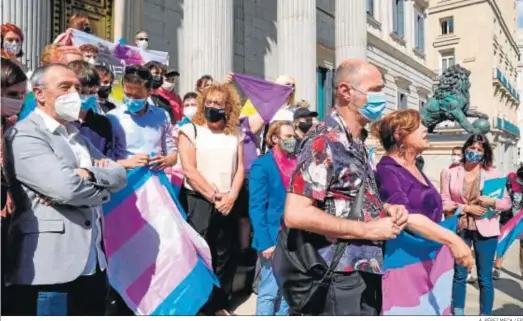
x,y
134,105
473,157
376,104
89,102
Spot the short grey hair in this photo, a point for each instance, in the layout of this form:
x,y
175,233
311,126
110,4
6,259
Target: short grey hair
x,y
38,76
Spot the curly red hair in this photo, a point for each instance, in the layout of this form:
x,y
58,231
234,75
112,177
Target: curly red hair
x,y
9,27
232,107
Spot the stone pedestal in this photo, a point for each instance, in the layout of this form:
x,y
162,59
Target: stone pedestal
x,y
351,30
297,45
34,18
207,41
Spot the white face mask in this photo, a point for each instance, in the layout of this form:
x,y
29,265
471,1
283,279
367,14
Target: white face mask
x,y
12,47
91,61
168,85
68,106
11,106
189,112
142,44
456,159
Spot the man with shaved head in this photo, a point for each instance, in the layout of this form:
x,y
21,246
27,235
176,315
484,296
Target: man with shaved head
x,y
56,262
332,167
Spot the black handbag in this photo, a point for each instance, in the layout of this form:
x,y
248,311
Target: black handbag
x,y
301,273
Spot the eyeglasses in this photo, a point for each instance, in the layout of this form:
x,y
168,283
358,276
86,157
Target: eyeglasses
x,y
146,39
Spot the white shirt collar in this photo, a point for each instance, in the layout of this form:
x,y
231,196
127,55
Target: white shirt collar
x,y
52,125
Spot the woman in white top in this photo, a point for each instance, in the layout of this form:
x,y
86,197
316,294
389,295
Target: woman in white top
x,y
211,153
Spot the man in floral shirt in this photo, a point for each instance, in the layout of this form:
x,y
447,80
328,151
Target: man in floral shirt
x,y
332,165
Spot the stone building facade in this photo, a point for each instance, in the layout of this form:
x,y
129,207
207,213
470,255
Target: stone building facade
x,y
264,38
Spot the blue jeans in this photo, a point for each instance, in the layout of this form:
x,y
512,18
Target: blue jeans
x,y
270,301
485,250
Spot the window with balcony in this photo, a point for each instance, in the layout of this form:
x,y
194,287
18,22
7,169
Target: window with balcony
x,y
447,59
447,26
398,13
419,31
402,100
370,8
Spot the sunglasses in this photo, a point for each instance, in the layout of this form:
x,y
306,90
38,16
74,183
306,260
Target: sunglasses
x,y
146,39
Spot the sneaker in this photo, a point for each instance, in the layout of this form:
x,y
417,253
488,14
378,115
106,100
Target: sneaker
x,y
471,279
496,274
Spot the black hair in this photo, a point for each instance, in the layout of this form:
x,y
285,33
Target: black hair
x,y
190,95
137,74
104,71
12,74
488,157
86,73
151,65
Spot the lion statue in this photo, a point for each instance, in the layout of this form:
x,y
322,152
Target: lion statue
x,y
451,101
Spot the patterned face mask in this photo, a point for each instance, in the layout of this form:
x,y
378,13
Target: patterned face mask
x,y
288,145
12,47
473,156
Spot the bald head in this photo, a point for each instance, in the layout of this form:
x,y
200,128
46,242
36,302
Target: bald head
x,y
353,71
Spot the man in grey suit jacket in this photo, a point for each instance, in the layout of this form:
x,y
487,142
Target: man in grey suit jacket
x,y
56,262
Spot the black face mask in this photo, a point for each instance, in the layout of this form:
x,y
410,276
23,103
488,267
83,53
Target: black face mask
x,y
305,126
214,115
157,81
104,92
87,29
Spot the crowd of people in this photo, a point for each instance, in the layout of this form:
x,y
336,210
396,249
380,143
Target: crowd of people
x,y
67,146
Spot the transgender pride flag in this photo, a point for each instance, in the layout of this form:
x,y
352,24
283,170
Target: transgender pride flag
x,y
156,261
419,274
509,233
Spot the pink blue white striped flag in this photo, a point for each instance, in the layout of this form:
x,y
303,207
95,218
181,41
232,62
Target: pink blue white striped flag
x,y
511,231
419,274
156,261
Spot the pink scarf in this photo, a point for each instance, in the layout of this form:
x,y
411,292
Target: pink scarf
x,y
286,165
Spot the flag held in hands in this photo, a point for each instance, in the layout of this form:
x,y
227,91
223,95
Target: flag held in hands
x,y
267,97
509,233
419,275
156,261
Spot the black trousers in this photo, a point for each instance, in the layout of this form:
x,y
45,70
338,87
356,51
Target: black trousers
x,y
85,296
221,233
354,293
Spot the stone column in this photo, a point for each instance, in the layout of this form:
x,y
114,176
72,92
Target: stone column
x,y
207,41
34,18
351,29
297,46
127,20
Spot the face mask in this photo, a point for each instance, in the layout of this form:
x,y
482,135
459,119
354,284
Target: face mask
x,y
91,61
134,105
473,157
143,44
214,115
87,29
189,112
104,92
157,82
305,126
168,85
376,104
13,47
11,106
68,106
288,145
89,102
456,159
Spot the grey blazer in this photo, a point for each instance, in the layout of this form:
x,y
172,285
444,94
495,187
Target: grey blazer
x,y
50,244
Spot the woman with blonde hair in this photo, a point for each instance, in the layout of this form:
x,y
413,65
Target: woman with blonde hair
x,y
211,152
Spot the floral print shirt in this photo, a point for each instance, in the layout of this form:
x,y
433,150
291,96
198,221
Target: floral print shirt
x,y
331,167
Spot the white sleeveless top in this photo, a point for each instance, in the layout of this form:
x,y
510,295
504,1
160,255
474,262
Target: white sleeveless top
x,y
216,156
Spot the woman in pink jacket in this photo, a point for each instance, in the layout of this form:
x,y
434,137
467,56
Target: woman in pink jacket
x,y
461,188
